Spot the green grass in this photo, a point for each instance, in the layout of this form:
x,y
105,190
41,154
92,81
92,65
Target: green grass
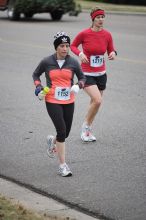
x,y
12,211
111,7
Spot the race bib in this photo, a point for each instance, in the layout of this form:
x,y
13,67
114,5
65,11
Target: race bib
x,y
96,61
62,93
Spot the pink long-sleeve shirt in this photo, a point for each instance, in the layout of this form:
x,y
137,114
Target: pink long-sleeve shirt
x,y
94,46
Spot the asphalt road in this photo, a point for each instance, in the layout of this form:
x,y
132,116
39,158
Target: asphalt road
x,y
108,176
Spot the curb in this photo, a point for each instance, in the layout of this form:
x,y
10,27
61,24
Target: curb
x,y
39,203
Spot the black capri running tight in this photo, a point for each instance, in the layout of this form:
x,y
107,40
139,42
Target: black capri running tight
x,y
62,116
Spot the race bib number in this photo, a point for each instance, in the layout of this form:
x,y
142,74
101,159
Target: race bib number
x,y
62,93
96,61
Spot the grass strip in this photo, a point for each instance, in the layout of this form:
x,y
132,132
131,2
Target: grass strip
x,y
10,210
87,5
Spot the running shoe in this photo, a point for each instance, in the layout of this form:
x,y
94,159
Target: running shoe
x,y
65,171
51,150
86,134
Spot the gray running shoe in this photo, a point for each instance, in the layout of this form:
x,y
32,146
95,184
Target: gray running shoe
x,y
51,150
65,171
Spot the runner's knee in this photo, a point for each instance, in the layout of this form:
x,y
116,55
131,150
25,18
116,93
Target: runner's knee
x,y
61,135
97,101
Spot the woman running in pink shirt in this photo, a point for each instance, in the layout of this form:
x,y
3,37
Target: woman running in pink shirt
x,y
59,69
95,42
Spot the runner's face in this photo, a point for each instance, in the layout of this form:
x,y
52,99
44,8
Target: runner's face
x,y
62,50
98,21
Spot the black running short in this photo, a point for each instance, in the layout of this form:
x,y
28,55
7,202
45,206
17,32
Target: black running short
x,y
100,81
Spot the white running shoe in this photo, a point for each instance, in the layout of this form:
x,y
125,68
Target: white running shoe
x,y
86,134
51,146
92,138
65,171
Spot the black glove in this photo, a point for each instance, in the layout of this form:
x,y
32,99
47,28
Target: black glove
x,y
38,89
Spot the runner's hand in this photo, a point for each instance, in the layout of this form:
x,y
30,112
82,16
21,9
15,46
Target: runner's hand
x,y
38,89
83,58
112,55
81,84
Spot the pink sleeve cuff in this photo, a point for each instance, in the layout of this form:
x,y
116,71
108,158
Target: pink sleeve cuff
x,y
36,82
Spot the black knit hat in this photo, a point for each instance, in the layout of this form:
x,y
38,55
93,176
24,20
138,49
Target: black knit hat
x,y
61,38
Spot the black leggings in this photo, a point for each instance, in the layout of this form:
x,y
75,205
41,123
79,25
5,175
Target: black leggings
x,y
62,116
